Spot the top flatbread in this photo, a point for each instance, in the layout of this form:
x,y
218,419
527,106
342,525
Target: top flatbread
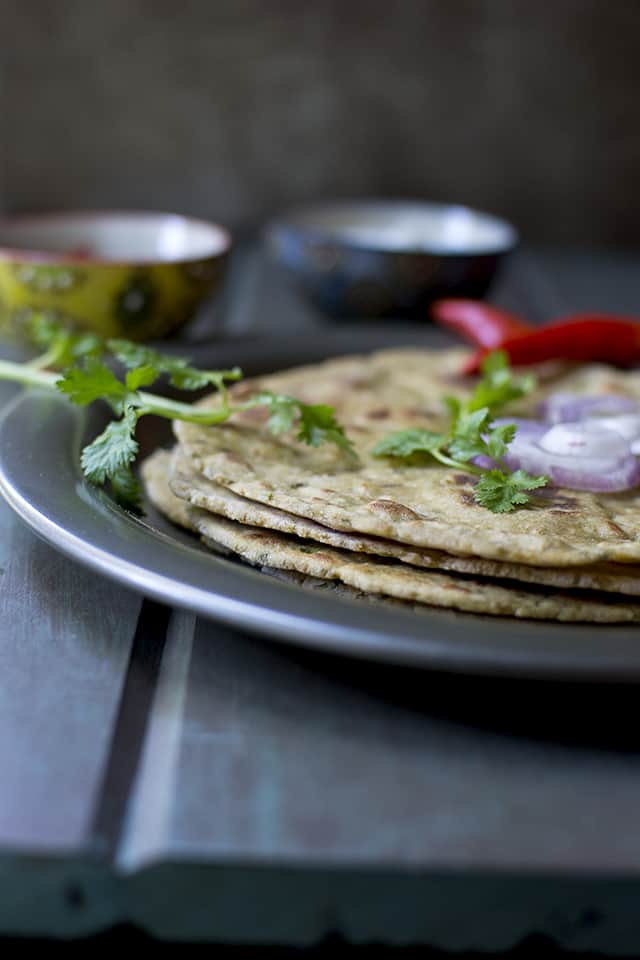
x,y
423,506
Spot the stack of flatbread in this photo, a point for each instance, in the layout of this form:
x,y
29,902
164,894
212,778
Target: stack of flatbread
x,y
413,533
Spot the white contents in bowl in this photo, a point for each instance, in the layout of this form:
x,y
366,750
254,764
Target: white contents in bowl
x,y
411,227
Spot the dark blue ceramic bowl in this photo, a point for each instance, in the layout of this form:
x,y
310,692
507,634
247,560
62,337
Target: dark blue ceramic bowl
x,y
387,258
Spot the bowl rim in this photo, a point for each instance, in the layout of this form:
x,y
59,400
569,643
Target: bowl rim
x,y
35,255
286,221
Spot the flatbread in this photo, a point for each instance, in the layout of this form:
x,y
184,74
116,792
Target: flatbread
x,y
155,471
190,485
374,575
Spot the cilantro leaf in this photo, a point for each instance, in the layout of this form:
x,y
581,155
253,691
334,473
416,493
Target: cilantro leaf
x,y
499,438
467,441
141,377
137,355
498,386
317,422
319,425
92,381
112,451
283,410
502,492
85,345
62,344
126,489
181,374
454,406
406,443
109,458
44,330
189,378
495,362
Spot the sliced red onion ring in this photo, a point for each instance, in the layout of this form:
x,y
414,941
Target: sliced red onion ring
x,y
626,424
613,469
582,440
571,407
592,455
623,475
621,414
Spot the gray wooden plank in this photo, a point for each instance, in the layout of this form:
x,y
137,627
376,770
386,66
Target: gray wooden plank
x,y
64,646
129,728
386,806
284,758
152,797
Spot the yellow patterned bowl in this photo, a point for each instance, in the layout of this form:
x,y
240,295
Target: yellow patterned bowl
x,y
134,275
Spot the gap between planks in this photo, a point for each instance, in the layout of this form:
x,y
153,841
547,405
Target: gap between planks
x,y
146,825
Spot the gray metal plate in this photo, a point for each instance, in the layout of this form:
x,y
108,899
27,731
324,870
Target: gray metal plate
x,y
40,438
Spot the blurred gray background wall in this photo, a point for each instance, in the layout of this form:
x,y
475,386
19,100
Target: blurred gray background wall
x,y
234,109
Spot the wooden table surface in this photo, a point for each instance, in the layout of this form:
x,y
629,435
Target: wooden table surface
x,y
159,769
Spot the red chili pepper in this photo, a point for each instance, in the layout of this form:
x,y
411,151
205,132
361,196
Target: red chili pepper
x,y
582,338
478,322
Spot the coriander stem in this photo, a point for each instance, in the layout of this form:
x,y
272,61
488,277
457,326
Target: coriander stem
x,y
33,376
170,409
458,464
185,411
235,373
30,376
47,359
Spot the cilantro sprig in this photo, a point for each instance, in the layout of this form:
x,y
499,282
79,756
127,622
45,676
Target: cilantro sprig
x,y
86,377
316,422
472,435
502,492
